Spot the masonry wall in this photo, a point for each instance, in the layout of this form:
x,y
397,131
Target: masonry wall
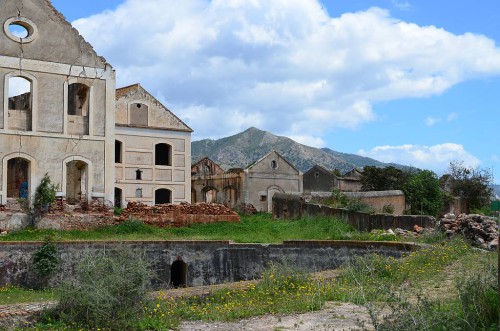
x,y
208,262
292,207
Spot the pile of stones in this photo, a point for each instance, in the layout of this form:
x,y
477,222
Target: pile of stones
x,y
480,230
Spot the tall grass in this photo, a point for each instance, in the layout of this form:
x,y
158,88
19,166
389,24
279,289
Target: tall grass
x,y
260,228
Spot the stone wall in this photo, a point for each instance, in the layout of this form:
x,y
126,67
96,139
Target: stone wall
x,y
287,206
207,262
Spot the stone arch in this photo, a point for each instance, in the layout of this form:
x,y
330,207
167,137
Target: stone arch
x,y
271,191
209,194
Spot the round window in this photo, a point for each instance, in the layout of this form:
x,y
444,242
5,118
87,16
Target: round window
x,y
20,29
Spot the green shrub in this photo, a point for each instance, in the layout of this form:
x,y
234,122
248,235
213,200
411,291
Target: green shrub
x,y
388,209
45,193
108,291
45,260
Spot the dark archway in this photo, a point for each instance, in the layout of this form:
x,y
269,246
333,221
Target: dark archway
x,y
118,151
163,196
178,274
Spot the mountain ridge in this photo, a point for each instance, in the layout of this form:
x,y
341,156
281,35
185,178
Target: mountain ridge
x,y
244,148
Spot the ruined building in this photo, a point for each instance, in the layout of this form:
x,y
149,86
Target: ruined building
x,y
57,116
256,184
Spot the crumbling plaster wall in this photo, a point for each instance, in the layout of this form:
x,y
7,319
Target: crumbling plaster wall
x,y
57,57
208,262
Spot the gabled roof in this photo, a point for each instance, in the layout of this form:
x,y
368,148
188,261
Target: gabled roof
x,y
267,155
319,167
54,33
126,90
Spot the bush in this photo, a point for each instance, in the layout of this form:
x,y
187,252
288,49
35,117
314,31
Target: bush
x,y
45,193
108,291
45,258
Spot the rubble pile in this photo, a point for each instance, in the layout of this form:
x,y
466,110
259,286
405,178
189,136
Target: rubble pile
x,y
478,229
178,215
2,207
246,209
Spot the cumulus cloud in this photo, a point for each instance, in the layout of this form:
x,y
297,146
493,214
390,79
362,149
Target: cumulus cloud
x,y
285,66
437,157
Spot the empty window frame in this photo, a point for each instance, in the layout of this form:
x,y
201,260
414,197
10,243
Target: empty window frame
x,y
163,154
78,99
20,104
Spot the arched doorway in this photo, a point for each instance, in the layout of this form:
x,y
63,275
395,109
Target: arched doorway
x,y
271,191
18,178
163,196
76,182
210,195
178,274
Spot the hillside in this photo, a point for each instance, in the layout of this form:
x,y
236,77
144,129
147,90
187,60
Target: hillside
x,y
242,149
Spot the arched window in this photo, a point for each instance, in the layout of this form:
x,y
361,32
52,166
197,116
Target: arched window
x,y
163,154
163,196
20,104
139,114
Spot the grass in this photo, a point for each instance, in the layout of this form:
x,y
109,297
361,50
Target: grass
x,y
442,280
364,280
13,295
260,228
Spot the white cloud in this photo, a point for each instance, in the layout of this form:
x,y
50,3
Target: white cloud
x,y
284,66
436,158
401,5
430,121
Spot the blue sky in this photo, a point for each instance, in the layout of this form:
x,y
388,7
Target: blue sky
x,y
413,82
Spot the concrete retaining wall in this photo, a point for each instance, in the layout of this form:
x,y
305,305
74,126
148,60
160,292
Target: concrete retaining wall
x,y
208,262
287,206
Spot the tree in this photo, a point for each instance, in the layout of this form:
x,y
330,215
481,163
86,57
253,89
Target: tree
x,y
423,193
470,184
383,179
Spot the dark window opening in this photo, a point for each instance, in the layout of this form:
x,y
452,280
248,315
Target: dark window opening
x,y
178,274
163,154
263,198
138,174
163,196
118,197
274,164
118,151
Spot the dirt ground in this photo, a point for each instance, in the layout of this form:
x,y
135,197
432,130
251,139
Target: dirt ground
x,y
333,317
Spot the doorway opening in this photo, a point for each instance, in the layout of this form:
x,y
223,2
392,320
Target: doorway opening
x,y
163,196
178,274
76,182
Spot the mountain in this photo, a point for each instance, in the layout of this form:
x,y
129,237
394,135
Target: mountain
x,y
496,190
244,148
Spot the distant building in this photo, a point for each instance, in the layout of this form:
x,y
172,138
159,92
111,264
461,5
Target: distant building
x,y
254,185
319,179
152,150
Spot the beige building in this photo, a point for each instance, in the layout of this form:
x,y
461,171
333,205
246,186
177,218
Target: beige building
x,y
254,185
57,102
152,150
57,116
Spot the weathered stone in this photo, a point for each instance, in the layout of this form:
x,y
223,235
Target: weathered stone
x,y
15,222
